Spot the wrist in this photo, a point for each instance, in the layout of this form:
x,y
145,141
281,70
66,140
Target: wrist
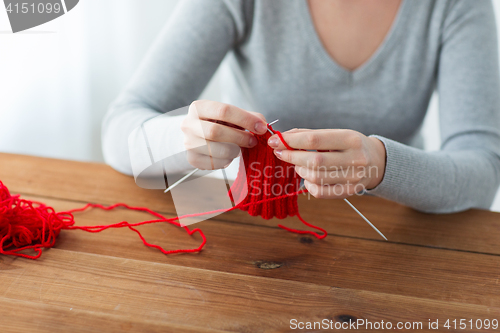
x,y
378,163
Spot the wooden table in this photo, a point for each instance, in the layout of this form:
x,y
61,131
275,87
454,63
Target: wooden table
x,y
252,276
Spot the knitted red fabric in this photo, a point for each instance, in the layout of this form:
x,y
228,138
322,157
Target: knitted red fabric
x,y
265,177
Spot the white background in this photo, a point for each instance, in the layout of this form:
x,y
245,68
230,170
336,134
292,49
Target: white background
x,y
57,80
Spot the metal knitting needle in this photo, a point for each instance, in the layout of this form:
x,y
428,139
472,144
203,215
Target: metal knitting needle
x,y
197,169
359,213
181,180
271,124
364,218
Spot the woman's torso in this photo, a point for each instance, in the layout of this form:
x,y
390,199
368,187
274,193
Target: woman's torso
x,y
283,70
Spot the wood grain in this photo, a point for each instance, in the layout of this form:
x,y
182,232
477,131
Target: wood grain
x,y
40,318
251,276
157,292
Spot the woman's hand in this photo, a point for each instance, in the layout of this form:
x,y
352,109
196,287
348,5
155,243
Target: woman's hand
x,y
343,163
214,133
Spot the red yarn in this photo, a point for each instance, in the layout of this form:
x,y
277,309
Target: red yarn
x,y
281,138
32,225
23,222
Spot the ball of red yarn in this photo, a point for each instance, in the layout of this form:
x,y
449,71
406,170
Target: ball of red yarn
x,y
27,224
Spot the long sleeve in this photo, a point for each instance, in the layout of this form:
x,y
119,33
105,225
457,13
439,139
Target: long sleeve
x,y
465,173
175,71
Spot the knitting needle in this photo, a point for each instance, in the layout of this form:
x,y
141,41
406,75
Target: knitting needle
x,y
181,180
359,213
271,124
364,218
197,169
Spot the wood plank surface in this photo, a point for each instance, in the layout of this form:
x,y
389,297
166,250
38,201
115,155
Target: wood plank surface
x,y
252,276
40,317
159,292
473,230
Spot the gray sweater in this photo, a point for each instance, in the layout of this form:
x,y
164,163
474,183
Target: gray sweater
x,y
278,66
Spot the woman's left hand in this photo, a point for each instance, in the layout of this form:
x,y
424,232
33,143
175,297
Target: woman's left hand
x,y
342,163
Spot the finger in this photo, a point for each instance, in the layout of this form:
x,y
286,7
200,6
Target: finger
x,y
205,162
219,133
216,149
337,191
209,110
275,141
322,161
259,115
331,139
297,130
328,177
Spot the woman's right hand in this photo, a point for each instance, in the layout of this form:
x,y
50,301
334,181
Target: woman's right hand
x,y
214,133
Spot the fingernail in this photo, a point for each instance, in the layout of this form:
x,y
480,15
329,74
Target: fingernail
x,y
273,142
252,142
260,128
278,153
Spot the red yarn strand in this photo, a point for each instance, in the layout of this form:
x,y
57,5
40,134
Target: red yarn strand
x,y
131,226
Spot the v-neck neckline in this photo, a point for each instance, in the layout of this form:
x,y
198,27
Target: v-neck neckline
x,y
390,38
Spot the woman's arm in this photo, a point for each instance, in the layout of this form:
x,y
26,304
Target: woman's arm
x,y
465,173
174,73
